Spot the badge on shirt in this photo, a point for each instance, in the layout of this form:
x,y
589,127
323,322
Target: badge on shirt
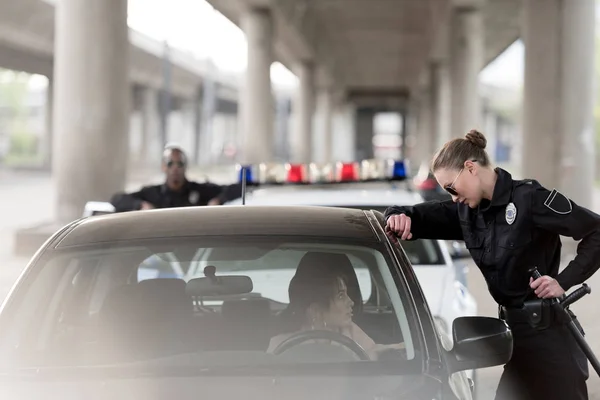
x,y
558,202
511,213
194,197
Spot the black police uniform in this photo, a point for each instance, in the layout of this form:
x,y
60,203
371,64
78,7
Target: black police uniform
x,y
519,229
191,194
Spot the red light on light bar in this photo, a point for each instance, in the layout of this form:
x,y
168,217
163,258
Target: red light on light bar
x,y
348,172
296,173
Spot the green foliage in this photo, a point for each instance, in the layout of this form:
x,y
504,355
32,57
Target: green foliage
x,y
23,143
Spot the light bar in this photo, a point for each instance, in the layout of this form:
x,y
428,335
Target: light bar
x,y
296,173
320,173
347,172
272,173
287,173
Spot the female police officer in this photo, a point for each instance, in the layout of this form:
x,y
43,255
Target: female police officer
x,y
510,226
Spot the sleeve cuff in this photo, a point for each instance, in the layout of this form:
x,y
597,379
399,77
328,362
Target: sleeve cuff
x,y
565,281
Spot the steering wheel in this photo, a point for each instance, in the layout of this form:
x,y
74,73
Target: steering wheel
x,y
304,336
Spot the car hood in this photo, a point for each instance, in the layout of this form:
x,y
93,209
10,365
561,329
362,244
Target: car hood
x,y
223,388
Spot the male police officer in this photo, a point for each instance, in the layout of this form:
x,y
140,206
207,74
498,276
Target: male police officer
x,y
177,191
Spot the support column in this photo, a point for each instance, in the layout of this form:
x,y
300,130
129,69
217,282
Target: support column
x,y
323,137
209,112
466,61
197,124
48,135
150,149
91,102
441,103
425,129
365,126
558,126
303,110
256,98
344,133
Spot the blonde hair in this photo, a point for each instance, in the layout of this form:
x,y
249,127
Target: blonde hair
x,y
454,153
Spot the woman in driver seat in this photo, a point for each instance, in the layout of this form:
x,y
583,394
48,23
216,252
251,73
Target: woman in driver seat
x,y
319,301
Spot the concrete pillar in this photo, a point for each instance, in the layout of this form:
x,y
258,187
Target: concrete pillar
x,y
91,102
323,135
150,149
558,126
466,61
344,133
441,99
48,136
256,98
364,133
209,110
410,133
424,146
195,154
303,111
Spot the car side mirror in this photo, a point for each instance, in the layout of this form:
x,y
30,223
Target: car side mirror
x,y
480,342
458,250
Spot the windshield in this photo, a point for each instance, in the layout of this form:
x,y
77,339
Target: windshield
x,y
257,304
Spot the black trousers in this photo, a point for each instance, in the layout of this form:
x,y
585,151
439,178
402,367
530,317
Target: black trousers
x,y
546,364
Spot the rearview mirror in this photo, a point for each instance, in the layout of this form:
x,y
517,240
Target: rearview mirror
x,y
480,342
219,286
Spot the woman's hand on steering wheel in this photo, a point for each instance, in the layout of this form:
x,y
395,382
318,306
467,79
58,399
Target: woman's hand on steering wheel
x,y
305,336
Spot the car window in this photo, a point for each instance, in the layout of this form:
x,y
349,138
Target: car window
x,y
242,303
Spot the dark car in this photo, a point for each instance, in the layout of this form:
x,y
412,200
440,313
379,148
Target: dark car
x,y
81,324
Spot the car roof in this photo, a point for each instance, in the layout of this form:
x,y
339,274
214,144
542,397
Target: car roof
x,y
334,195
219,221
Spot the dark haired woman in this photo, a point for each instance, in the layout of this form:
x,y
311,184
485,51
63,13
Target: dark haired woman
x,y
319,300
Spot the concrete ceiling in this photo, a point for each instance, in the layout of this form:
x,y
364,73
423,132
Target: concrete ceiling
x,y
27,44
372,48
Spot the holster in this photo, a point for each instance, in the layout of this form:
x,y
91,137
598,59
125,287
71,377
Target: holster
x,y
537,313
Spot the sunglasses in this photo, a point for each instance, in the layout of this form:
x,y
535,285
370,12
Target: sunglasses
x,y
450,188
180,164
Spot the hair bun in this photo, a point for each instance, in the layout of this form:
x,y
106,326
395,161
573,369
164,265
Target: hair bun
x,y
476,138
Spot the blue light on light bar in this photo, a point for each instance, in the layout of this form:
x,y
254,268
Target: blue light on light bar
x,y
399,170
249,176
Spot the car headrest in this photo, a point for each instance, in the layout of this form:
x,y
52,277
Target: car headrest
x,y
313,261
246,309
119,306
164,295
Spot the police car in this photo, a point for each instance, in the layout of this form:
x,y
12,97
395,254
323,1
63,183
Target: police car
x,y
80,323
368,185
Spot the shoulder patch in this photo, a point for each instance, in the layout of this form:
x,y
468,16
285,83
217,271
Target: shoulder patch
x,y
558,202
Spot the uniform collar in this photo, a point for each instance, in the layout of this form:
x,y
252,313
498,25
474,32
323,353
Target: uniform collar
x,y
502,189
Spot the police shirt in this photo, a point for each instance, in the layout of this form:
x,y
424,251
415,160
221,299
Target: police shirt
x,y
191,194
518,229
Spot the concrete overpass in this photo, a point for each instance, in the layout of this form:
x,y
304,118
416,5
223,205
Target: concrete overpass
x,y
353,59
425,56
27,33
27,43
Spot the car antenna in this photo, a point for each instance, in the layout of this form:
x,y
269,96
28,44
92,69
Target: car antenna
x,y
243,185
